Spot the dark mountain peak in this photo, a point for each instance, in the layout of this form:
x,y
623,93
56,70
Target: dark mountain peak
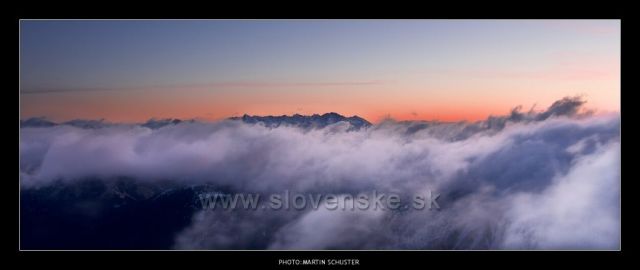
x,y
332,114
79,123
83,123
307,122
158,123
37,122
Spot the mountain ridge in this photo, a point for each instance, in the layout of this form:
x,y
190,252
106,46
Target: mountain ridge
x,y
305,121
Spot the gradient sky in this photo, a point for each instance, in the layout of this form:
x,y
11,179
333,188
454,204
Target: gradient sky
x,y
408,69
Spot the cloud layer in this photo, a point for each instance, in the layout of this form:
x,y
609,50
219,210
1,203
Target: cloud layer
x,y
527,180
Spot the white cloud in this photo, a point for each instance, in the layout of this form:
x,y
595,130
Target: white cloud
x,y
541,182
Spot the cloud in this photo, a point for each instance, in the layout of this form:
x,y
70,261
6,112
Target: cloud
x,y
205,86
537,180
328,229
579,211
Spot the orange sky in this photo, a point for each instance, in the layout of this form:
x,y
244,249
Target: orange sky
x,y
470,101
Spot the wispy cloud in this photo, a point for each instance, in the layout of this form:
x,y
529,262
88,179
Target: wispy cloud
x,y
206,86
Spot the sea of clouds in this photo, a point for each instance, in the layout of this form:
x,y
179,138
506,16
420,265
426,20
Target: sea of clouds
x,y
527,180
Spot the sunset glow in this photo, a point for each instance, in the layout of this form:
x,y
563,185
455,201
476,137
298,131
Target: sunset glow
x,y
407,70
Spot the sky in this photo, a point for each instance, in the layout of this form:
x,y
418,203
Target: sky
x,y
448,70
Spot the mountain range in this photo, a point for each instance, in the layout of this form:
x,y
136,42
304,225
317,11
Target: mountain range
x,y
296,120
304,121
